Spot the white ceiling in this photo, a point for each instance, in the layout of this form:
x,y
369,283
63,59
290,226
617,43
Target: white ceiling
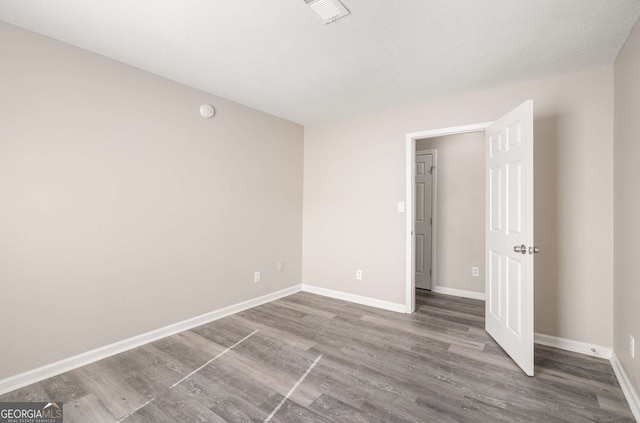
x,y
277,56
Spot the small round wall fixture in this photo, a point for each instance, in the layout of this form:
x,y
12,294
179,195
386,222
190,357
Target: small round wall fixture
x,y
207,111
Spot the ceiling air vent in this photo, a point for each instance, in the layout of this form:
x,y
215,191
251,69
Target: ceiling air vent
x,y
328,10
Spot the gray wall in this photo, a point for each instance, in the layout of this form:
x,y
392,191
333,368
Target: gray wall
x,y
354,174
460,210
122,210
627,205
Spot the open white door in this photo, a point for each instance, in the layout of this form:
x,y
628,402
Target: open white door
x,y
509,234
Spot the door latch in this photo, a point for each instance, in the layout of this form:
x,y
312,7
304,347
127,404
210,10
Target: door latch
x,y
520,249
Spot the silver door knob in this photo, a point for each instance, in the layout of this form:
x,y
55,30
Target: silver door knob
x,y
520,249
534,250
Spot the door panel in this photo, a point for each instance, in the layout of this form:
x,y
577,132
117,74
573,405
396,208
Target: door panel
x,y
495,210
495,295
514,296
420,254
509,185
420,212
514,212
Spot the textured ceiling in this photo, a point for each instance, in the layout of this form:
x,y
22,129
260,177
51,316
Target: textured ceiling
x,y
277,56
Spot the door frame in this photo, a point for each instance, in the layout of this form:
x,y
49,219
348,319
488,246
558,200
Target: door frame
x,y
411,138
434,196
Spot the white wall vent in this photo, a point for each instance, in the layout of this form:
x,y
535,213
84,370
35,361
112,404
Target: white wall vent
x,y
328,10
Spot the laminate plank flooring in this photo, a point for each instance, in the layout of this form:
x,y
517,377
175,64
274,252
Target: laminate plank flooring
x,y
436,365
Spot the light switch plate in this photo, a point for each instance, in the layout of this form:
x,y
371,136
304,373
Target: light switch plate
x,y
400,206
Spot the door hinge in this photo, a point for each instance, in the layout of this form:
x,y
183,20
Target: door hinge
x,y
429,272
431,221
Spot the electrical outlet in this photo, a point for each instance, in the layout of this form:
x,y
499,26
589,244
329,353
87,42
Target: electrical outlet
x,y
475,271
632,346
281,266
400,206
256,277
359,274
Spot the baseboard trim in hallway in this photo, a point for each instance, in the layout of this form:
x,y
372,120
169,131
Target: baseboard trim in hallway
x,y
36,375
459,293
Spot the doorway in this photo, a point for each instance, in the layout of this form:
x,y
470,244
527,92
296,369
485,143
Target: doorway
x,y
411,197
458,214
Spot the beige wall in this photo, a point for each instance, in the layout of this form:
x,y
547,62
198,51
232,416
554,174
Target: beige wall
x,y
354,175
460,209
626,310
122,210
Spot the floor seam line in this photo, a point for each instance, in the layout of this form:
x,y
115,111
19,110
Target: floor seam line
x,y
213,359
273,413
191,374
136,410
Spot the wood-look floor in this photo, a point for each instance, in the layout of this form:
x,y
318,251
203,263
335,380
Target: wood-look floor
x,y
437,365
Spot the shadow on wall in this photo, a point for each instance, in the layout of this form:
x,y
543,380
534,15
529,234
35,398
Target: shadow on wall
x,y
546,218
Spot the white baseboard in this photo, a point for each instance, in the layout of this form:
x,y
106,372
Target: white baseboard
x,y
627,388
36,375
358,299
575,346
597,351
459,293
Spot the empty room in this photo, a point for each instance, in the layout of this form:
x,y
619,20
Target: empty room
x,y
319,211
